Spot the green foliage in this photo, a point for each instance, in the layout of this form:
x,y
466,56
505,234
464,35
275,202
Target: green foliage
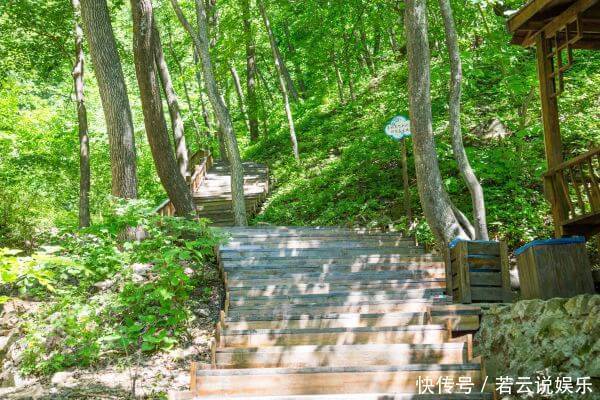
x,y
119,297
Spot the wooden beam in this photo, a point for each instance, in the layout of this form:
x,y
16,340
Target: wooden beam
x,y
524,14
552,140
559,22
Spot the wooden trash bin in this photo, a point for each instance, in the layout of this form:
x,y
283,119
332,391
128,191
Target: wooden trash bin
x,y
477,272
554,268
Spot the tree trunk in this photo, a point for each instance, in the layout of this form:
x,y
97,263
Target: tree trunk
x,y
468,175
198,75
181,150
186,90
297,69
113,94
144,52
365,47
84,144
250,71
201,43
338,76
435,201
279,63
280,71
405,183
240,94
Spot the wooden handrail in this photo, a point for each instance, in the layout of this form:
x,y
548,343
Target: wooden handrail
x,y
575,187
200,163
573,161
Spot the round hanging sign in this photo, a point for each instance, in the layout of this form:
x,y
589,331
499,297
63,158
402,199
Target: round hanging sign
x,y
398,128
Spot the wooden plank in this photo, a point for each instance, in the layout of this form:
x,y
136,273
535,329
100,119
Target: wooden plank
x,y
560,21
463,273
327,380
478,248
484,294
485,278
341,355
525,14
507,296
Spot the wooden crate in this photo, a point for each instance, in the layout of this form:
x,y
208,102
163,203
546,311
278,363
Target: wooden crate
x,y
477,272
554,268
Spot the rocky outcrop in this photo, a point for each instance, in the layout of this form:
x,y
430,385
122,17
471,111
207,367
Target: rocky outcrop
x,y
559,337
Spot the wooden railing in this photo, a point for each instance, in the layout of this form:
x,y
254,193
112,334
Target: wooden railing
x,y
574,188
200,163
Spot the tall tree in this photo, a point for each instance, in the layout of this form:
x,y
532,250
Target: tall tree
x,y
184,83
177,127
251,99
113,94
144,52
282,81
240,94
84,144
442,217
282,69
466,171
201,44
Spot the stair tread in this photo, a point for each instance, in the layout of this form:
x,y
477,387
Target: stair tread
x,y
354,369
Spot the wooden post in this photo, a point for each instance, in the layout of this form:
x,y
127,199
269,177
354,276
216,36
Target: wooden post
x,y
552,140
407,207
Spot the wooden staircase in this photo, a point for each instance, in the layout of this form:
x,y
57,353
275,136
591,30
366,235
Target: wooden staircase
x,y
333,313
210,184
213,196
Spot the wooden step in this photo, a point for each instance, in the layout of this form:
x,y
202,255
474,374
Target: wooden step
x,y
276,254
462,319
343,297
363,396
203,196
333,287
429,334
310,243
315,321
341,355
326,380
244,279
365,307
339,265
347,259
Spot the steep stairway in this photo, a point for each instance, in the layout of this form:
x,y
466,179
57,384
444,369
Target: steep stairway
x,y
333,313
213,195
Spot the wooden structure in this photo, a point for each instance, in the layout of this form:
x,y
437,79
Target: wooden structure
x,y
478,272
554,268
334,313
210,184
556,28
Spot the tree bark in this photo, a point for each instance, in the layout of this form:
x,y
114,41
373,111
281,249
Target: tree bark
x,y
144,52
437,207
466,171
178,130
113,94
282,69
240,94
198,75
365,47
250,71
292,51
186,90
405,183
282,82
84,144
201,43
338,76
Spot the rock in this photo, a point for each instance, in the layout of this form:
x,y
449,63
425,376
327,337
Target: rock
x,y
6,342
141,269
137,278
496,130
7,379
203,312
64,379
104,285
